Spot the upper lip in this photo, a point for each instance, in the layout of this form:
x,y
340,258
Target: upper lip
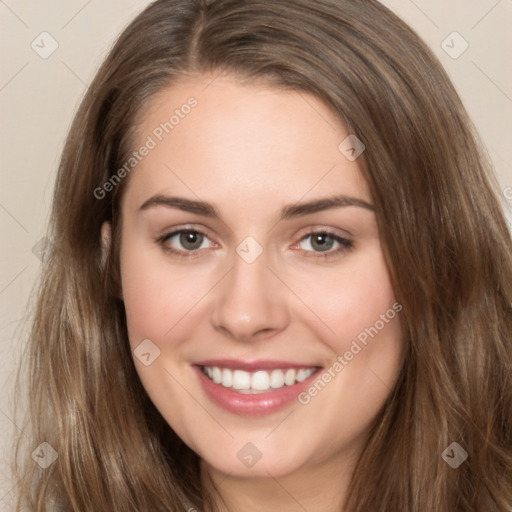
x,y
252,366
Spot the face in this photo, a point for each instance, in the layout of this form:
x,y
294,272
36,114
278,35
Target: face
x,y
259,306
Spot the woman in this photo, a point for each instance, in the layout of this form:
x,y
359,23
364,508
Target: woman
x,y
280,277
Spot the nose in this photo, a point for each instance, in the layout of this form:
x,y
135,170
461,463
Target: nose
x,y
251,302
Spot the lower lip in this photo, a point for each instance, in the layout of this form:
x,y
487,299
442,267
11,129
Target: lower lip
x,y
252,404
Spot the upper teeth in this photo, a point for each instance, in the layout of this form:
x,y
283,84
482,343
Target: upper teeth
x,y
258,381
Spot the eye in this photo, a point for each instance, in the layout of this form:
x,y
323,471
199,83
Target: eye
x,y
183,241
325,244
320,243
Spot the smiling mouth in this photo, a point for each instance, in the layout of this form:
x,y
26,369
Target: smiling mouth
x,y
260,381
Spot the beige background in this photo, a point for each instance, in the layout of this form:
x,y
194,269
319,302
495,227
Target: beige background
x,y
38,97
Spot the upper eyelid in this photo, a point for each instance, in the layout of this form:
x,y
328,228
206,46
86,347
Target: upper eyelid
x,y
185,227
342,233
175,231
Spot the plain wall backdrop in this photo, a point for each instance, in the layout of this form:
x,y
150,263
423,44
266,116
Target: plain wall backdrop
x,y
50,52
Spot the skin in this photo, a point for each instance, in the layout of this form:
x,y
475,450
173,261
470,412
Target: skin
x,y
251,149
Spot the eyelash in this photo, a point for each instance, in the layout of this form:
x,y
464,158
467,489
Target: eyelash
x,y
345,245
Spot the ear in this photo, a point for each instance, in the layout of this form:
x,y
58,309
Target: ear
x,y
106,240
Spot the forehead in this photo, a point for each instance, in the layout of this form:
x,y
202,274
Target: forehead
x,y
241,141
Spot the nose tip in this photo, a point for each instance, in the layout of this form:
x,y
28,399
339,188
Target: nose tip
x,y
246,331
250,303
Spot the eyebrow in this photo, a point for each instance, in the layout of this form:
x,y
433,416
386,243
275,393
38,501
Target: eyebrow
x,y
288,212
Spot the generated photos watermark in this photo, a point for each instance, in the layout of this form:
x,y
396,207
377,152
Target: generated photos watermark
x,y
343,360
157,135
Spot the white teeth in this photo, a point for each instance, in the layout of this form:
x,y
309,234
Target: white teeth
x,y
289,377
303,374
227,378
277,379
241,379
217,375
259,381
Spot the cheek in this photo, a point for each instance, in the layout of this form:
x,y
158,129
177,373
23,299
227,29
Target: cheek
x,y
358,305
155,304
361,310
354,302
155,296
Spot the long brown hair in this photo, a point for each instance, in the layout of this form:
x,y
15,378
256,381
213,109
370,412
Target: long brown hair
x,y
442,229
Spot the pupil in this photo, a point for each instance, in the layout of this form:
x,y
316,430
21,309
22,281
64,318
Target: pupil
x,y
191,240
323,245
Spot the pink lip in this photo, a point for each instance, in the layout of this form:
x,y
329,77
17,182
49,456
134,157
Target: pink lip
x,y
252,405
252,366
